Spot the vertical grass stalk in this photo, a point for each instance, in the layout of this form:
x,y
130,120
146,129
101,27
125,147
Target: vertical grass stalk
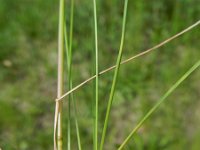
x,y
96,79
69,69
115,76
58,110
69,60
161,100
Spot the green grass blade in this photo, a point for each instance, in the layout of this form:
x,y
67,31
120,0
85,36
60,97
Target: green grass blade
x,y
69,68
66,44
69,58
156,106
71,95
76,123
115,76
96,79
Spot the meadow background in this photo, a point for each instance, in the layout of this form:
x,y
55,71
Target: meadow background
x,y
28,73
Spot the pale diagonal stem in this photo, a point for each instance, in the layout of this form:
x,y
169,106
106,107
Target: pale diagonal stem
x,y
96,79
114,77
162,99
58,109
131,58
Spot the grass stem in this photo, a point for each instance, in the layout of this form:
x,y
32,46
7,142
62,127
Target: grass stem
x,y
58,110
96,79
160,101
132,58
115,76
69,68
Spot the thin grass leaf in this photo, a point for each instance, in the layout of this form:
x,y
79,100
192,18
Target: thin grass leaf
x,y
160,101
69,68
71,95
132,58
66,44
115,76
69,58
96,79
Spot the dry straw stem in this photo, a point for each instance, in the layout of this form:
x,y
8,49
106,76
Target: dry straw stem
x,y
58,109
131,58
160,101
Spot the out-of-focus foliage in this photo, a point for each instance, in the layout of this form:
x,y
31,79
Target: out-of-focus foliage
x,y
28,55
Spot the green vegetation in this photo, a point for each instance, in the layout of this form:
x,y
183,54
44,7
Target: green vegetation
x,y
28,74
115,77
161,100
96,79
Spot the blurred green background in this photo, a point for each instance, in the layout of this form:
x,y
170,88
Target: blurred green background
x,y
28,73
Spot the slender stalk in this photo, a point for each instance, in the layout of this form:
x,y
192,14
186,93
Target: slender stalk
x,y
69,68
93,103
69,76
58,109
161,100
77,125
71,97
115,77
96,79
132,58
